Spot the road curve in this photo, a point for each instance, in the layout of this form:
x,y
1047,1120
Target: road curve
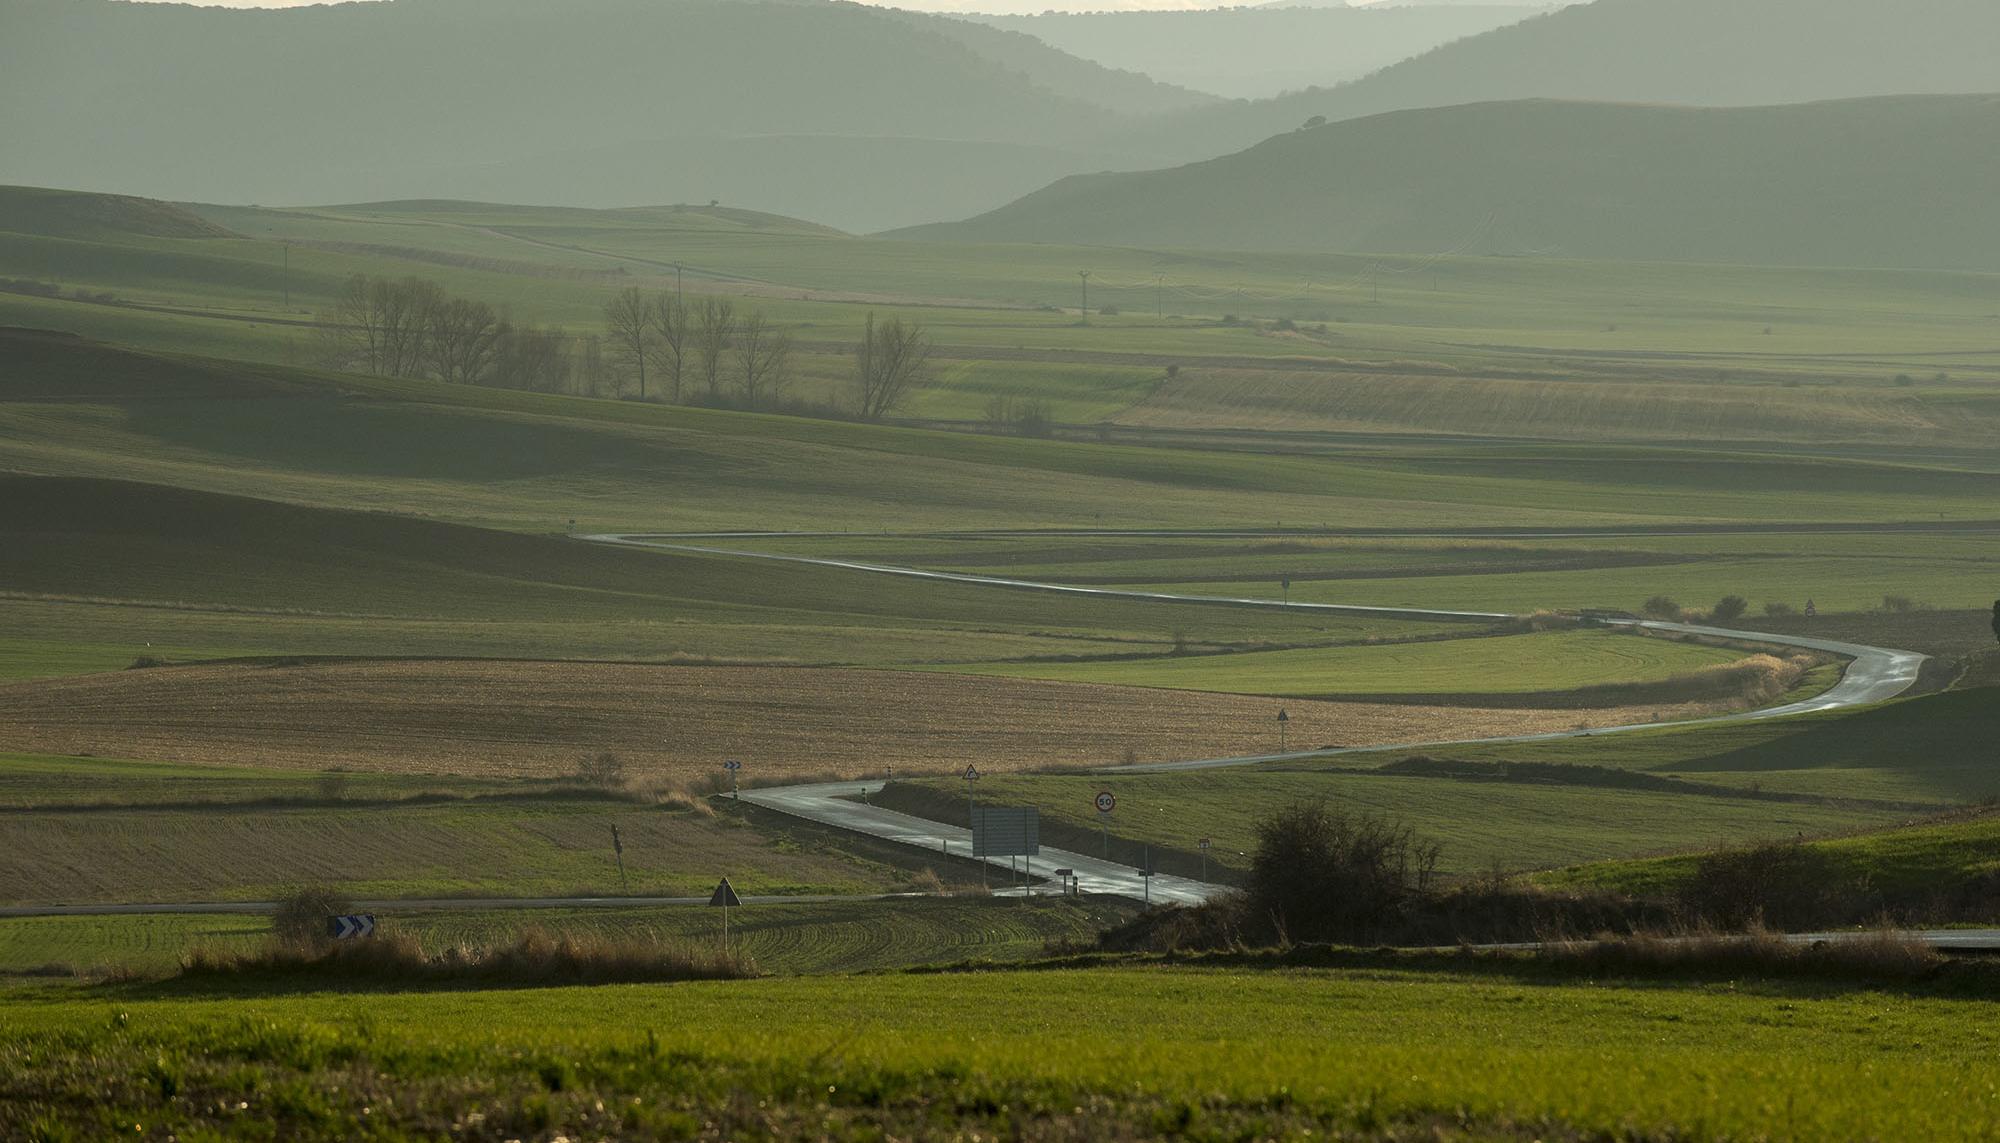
x,y
1874,674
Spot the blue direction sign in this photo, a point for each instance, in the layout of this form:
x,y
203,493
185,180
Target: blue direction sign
x,y
350,926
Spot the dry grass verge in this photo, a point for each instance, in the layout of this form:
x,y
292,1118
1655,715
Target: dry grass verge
x,y
1880,955
534,957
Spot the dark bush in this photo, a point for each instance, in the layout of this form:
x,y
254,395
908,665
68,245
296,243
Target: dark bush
x,y
1319,874
301,916
1780,884
1729,607
604,769
1662,607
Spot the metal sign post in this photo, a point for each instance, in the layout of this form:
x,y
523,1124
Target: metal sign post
x,y
1105,803
735,769
1284,721
971,775
1146,873
724,897
1202,845
618,847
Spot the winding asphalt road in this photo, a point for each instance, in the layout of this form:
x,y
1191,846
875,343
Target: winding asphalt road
x,y
1873,675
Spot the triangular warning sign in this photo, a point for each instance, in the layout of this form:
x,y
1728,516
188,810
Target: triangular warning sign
x,y
724,895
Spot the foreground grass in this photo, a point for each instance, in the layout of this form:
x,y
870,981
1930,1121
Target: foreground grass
x,y
820,937
1057,1055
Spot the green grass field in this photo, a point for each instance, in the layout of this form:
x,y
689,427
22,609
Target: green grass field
x,y
1481,825
828,937
1929,749
1516,664
93,830
1377,1053
1904,862
1478,346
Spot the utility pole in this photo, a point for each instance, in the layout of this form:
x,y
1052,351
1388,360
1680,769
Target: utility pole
x,y
1160,296
618,847
1085,275
288,277
677,282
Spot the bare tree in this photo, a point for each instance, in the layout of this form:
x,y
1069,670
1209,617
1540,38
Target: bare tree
x,y
380,326
628,318
670,325
763,360
531,358
892,361
402,313
463,339
714,329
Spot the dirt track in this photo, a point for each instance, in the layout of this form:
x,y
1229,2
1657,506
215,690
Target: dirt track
x,y
679,723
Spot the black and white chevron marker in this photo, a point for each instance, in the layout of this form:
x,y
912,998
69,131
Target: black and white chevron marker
x,y
347,928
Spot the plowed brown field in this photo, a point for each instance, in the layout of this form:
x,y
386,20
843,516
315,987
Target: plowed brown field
x,y
538,719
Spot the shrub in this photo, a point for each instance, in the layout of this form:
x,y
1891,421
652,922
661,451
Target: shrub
x,y
1319,874
1904,380
1777,610
604,770
1729,607
301,916
1173,371
146,663
1662,607
1898,603
1783,884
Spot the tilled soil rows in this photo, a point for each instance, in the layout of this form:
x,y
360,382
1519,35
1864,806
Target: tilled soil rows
x,y
539,719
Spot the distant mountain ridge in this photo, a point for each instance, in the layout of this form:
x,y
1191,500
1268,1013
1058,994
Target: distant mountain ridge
x,y
1712,53
417,98
1901,181
1261,52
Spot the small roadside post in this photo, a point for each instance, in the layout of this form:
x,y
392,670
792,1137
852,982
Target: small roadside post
x,y
1105,803
1066,879
618,847
1284,721
1202,845
1812,609
1146,873
724,897
1287,582
972,814
735,769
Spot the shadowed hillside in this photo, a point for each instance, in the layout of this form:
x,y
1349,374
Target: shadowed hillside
x,y
426,97
1883,182
1715,53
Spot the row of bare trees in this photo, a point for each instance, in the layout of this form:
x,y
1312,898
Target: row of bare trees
x,y
680,344
409,327
680,349
706,342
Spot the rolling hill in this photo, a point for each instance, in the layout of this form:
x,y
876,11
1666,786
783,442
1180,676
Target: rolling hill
x,y
1254,53
455,98
1877,182
1714,53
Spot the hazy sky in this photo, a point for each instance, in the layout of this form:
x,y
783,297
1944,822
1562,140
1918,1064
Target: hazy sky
x,y
997,7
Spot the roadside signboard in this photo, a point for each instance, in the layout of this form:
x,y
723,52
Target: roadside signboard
x,y
735,777
1202,844
1006,831
972,773
1106,802
352,926
725,895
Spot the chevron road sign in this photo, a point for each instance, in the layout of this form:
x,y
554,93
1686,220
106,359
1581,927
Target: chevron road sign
x,y
351,926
